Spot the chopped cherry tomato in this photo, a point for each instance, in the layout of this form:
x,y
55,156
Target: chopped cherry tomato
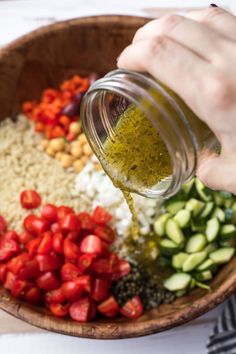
x,y
47,281
33,295
109,307
32,246
101,289
49,212
45,245
9,280
69,272
3,273
70,249
70,222
59,310
39,225
106,233
91,244
86,221
101,216
85,261
30,199
85,281
55,227
18,288
48,262
25,236
62,211
133,308
56,296
17,262
72,236
30,270
11,235
122,269
3,224
7,249
72,290
57,242
80,310
27,223
102,266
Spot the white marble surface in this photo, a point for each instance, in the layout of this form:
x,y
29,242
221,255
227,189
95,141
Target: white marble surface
x,y
20,17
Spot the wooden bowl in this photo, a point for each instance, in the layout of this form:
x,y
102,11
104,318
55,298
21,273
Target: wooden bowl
x,y
44,58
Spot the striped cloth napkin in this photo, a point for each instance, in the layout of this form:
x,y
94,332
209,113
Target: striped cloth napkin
x,y
223,338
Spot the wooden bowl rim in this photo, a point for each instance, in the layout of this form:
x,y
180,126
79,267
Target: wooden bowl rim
x,y
106,329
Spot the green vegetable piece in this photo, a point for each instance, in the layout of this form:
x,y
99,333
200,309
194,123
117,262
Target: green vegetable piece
x,y
229,215
195,206
192,284
187,187
228,230
204,276
160,223
211,247
207,210
195,243
228,203
193,261
225,195
219,214
222,255
180,293
203,286
179,259
204,192
198,225
182,218
219,200
212,229
168,247
174,232
206,265
177,281
174,207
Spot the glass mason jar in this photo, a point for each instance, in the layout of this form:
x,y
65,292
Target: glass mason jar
x,y
186,137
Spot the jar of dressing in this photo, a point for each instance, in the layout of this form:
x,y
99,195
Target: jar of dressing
x,y
146,138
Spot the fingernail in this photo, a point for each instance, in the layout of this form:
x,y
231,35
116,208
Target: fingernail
x,y
213,5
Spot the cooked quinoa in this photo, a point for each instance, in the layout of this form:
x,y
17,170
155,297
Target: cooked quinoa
x,y
23,165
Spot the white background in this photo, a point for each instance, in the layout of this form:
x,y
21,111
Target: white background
x,y
17,18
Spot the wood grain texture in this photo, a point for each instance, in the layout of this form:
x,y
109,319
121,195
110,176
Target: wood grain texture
x,y
44,58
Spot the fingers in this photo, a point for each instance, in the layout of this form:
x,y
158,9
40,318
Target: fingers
x,y
217,19
189,33
218,173
174,65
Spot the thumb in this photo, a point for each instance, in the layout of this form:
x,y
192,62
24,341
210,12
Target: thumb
x,y
218,172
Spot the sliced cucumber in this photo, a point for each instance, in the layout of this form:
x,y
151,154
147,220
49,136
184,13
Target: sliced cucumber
x,y
222,255
227,230
160,223
193,261
177,281
204,193
211,247
179,259
229,215
168,247
187,187
206,265
180,293
174,232
203,276
212,229
192,284
219,214
195,206
183,218
174,207
203,286
207,210
195,243
219,200
228,203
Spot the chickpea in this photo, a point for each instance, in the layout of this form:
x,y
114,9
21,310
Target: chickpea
x,y
78,165
82,138
50,152
44,143
66,160
77,151
87,150
84,159
75,128
57,144
58,156
67,148
75,144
